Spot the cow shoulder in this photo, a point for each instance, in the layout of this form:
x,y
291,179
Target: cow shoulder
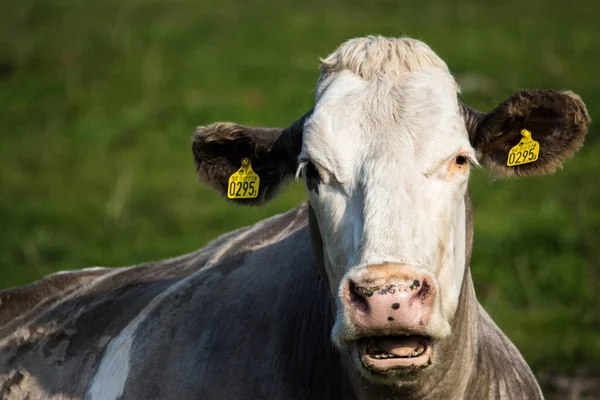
x,y
255,323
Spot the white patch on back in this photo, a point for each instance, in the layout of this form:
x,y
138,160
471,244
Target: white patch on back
x,y
109,381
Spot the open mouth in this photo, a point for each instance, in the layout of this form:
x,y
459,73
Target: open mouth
x,y
383,353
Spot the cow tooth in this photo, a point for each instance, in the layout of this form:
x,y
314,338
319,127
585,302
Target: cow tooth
x,y
417,353
384,356
377,356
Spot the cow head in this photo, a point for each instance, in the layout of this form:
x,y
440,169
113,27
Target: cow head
x,y
385,156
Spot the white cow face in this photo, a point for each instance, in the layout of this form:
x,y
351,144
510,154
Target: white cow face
x,y
386,159
385,155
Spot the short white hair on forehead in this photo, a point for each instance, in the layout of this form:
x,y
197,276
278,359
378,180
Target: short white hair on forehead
x,y
374,57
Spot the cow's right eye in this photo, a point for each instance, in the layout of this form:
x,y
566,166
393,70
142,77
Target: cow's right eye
x,y
312,176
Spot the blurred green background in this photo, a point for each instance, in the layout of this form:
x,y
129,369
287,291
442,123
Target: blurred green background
x,y
99,98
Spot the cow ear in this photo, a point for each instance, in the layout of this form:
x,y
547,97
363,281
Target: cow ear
x,y
556,120
221,148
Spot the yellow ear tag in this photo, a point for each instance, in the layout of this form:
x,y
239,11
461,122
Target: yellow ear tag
x,y
243,184
526,151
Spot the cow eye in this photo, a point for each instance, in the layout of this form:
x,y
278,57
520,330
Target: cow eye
x,y
312,176
461,160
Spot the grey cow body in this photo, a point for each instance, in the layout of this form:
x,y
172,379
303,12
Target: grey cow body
x,y
246,317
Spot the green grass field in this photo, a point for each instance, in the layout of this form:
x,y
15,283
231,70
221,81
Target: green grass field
x,y
98,101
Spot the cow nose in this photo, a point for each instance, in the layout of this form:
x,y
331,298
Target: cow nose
x,y
402,303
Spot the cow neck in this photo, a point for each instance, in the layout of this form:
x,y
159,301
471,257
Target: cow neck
x,y
316,242
456,355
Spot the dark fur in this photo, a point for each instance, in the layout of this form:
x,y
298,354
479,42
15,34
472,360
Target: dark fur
x,y
557,120
219,149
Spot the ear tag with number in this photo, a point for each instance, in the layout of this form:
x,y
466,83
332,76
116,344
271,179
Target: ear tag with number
x,y
526,151
243,184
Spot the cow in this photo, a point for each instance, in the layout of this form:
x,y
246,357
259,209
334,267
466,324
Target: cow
x,y
362,292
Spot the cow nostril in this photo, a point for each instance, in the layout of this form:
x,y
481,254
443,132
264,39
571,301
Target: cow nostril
x,y
425,290
357,297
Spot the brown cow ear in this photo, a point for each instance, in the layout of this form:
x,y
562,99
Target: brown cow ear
x,y
556,120
272,152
